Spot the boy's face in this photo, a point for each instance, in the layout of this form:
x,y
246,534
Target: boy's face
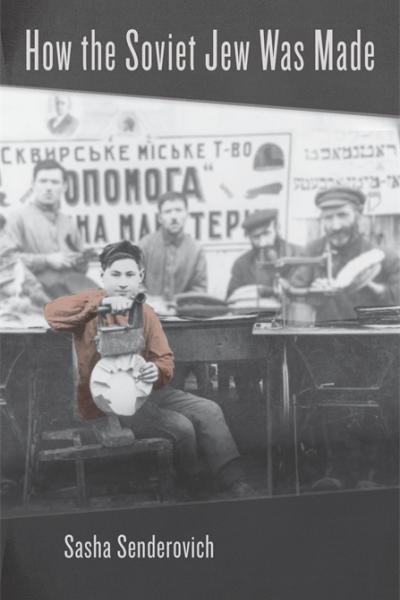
x,y
123,278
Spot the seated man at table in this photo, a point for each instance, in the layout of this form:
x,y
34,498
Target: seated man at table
x,y
21,295
255,268
340,213
195,425
267,245
46,240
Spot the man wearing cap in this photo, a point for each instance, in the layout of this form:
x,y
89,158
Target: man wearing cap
x,y
267,246
251,269
352,461
340,213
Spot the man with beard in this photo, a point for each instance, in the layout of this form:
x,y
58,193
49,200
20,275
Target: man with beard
x,y
250,268
340,212
175,263
256,268
47,241
353,436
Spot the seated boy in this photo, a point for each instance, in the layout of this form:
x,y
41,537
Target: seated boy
x,y
194,424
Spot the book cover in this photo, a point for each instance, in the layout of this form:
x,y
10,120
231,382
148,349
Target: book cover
x,y
229,172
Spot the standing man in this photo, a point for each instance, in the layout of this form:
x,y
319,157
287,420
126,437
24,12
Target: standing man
x,y
47,241
175,263
267,245
340,213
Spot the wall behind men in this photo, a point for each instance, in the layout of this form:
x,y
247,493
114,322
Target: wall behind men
x,y
124,151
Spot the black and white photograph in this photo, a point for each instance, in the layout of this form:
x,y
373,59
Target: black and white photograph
x,y
251,282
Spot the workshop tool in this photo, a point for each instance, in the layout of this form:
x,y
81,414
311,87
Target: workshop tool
x,y
115,381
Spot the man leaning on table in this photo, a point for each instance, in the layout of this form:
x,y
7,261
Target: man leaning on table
x,y
341,211
353,437
256,266
46,240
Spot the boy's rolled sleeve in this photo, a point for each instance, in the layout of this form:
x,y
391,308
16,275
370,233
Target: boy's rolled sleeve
x,y
68,313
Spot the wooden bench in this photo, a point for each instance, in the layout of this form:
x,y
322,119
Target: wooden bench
x,y
78,445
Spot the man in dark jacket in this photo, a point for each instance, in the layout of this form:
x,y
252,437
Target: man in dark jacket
x,y
267,245
256,267
340,213
353,435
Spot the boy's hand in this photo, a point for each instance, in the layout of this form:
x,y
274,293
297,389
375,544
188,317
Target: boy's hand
x,y
149,373
118,304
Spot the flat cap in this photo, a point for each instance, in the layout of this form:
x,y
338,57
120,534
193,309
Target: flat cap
x,y
339,196
258,218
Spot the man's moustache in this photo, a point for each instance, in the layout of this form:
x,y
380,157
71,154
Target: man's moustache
x,y
268,253
338,236
340,232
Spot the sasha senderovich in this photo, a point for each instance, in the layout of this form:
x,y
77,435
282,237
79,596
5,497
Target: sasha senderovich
x,y
121,547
